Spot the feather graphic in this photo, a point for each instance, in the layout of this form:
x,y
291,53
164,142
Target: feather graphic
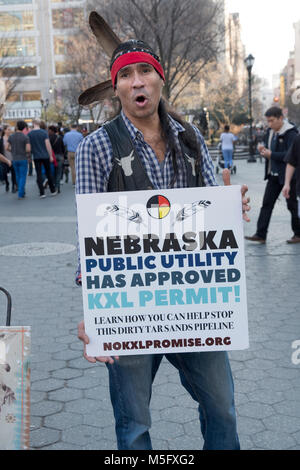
x,y
128,214
191,209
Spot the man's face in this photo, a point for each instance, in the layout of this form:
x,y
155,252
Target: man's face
x,y
139,89
275,123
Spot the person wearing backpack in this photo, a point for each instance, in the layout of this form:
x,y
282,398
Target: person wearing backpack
x,y
145,147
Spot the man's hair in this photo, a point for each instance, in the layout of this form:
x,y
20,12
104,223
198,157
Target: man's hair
x,y
74,126
274,112
21,125
188,137
36,122
53,129
226,128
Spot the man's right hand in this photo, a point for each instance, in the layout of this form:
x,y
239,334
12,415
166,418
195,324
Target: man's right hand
x,y
85,339
286,191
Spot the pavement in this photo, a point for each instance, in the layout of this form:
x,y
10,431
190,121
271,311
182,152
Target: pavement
x,y
70,404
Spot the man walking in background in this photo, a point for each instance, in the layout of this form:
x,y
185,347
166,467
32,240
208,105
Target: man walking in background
x,y
42,155
19,145
293,163
71,141
279,138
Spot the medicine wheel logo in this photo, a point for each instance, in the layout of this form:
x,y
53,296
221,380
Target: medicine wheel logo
x,y
158,207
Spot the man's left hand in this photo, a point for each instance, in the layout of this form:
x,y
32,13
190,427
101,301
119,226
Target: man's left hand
x,y
245,200
266,153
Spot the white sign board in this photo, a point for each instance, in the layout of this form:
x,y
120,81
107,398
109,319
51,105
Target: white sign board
x,y
163,271
14,387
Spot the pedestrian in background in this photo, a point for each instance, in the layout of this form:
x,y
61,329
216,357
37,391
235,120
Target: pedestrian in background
x,y
3,162
42,156
58,148
293,164
279,138
227,144
6,132
71,141
84,132
26,131
20,148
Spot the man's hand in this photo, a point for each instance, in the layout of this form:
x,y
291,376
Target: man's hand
x,y
260,147
244,189
266,153
289,172
286,191
83,337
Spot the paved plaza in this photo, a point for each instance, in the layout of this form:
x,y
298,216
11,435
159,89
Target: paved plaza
x,y
70,404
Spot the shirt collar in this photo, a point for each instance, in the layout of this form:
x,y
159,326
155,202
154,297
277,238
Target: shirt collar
x,y
137,134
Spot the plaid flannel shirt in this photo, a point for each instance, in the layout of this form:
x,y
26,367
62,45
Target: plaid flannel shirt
x,y
94,161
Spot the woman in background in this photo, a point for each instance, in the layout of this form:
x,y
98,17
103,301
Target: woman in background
x,y
227,143
6,132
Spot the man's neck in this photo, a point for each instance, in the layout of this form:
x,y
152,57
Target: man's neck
x,y
148,126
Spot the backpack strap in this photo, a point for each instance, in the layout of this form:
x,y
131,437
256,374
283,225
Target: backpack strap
x,y
128,173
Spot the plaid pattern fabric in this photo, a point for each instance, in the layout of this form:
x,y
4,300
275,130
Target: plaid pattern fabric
x,y
94,161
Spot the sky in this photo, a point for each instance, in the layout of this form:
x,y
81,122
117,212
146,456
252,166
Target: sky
x,y
267,32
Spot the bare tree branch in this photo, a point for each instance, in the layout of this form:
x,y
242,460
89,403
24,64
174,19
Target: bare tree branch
x,y
187,34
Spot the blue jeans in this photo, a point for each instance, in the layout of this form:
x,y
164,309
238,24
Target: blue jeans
x,y
206,376
227,154
20,167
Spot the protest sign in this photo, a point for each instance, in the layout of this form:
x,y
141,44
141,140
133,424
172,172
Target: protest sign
x,y
163,271
14,387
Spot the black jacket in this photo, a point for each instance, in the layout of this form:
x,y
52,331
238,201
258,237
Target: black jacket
x,y
284,140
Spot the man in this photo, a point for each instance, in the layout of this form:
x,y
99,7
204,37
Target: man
x,y
42,155
71,141
279,139
19,145
84,132
158,162
58,148
293,163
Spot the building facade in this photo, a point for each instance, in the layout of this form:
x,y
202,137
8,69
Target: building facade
x,y
34,38
235,52
297,52
286,92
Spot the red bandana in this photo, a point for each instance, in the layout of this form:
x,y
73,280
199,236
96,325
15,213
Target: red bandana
x,y
134,58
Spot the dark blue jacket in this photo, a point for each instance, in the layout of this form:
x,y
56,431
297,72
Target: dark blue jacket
x,y
284,140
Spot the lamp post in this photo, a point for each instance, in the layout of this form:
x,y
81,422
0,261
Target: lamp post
x,y
45,104
249,61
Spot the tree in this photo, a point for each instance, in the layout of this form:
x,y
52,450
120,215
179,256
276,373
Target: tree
x,y
225,103
10,76
87,65
186,34
54,114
